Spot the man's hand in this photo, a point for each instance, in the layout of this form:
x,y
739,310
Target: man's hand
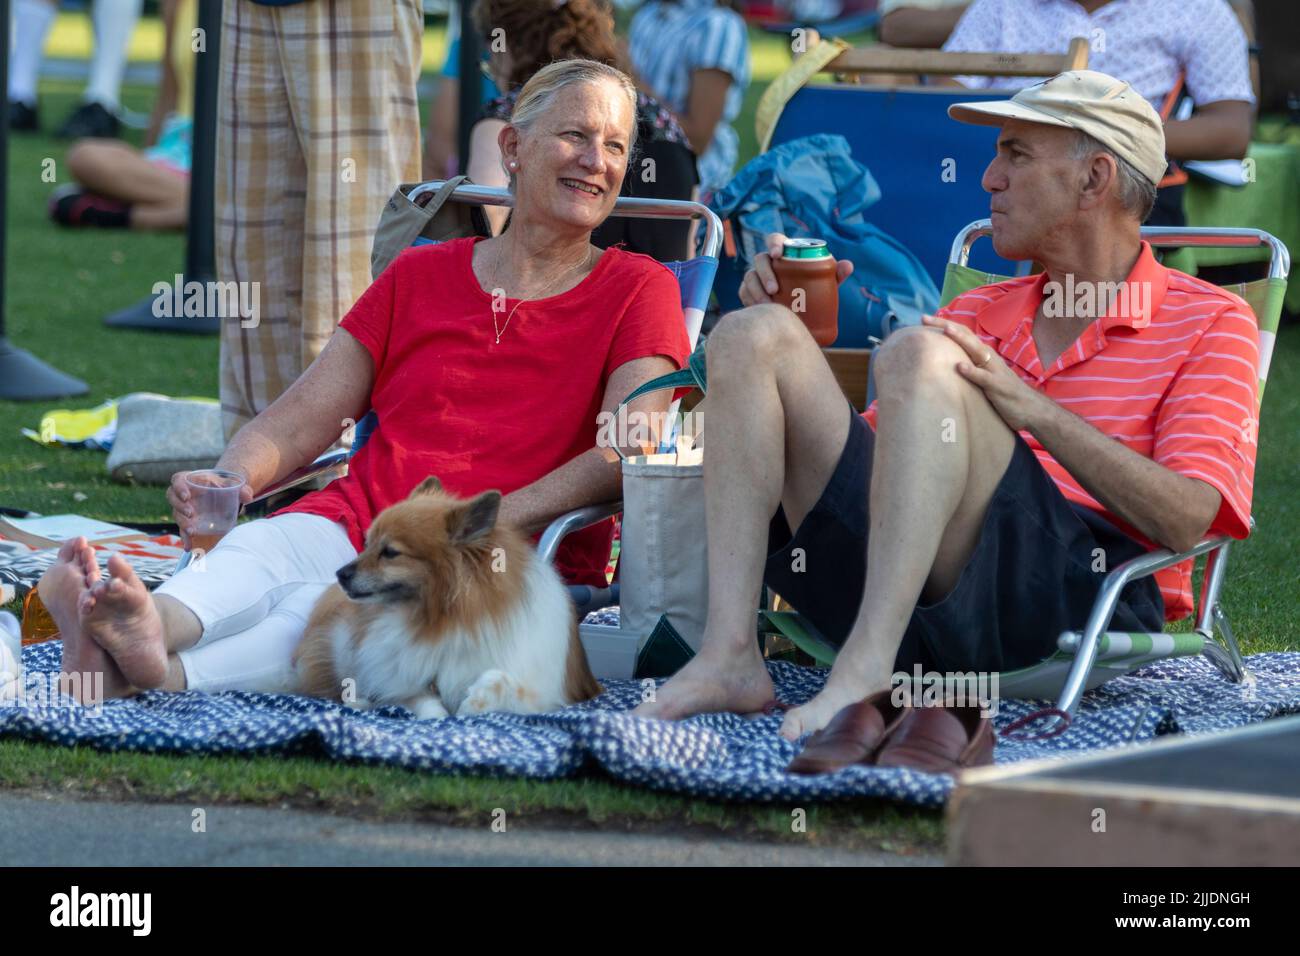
x,y
1016,402
759,284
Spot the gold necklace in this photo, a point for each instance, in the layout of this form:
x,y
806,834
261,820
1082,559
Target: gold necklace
x,y
501,330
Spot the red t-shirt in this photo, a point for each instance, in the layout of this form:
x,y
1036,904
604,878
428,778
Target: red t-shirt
x,y
451,402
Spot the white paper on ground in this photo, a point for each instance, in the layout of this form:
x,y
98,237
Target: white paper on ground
x,y
64,527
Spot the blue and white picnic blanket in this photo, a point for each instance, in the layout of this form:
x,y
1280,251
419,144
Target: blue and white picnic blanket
x,y
722,756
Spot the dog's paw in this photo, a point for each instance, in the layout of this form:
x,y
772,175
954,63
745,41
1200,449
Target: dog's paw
x,y
427,708
488,693
478,701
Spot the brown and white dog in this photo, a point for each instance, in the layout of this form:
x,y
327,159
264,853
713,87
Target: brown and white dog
x,y
446,612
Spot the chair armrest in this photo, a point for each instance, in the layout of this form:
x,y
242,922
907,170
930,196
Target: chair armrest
x,y
566,524
1103,609
1148,564
334,461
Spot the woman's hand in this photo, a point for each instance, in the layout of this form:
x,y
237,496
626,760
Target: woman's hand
x,y
180,497
759,284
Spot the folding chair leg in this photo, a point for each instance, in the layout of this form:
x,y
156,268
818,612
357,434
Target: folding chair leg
x,y
1229,661
1213,618
1103,609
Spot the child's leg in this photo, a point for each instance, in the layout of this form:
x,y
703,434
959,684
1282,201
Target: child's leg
x,y
116,170
259,658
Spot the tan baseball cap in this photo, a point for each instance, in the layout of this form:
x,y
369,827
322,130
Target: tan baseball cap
x,y
1107,109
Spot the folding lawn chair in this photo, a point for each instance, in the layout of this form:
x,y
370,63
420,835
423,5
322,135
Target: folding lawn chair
x,y
694,276
1086,659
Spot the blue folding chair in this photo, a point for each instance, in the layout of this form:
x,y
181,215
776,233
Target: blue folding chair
x,y
928,167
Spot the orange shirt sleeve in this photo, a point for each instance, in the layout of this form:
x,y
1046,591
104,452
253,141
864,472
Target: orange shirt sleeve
x,y
1207,426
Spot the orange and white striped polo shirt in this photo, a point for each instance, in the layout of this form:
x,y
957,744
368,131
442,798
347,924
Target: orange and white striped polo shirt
x,y
1174,376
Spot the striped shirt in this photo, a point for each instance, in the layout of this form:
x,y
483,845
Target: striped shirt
x,y
671,39
1146,43
1176,382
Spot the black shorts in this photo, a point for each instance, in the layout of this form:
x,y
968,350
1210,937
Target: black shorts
x,y
1030,577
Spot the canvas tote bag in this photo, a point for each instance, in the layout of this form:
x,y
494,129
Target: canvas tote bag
x,y
663,568
430,217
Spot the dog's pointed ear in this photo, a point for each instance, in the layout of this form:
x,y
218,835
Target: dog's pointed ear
x,y
476,518
429,486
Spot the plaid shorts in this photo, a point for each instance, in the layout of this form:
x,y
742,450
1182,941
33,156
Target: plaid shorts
x,y
318,123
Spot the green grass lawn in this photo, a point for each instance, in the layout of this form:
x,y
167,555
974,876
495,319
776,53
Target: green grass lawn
x,y
60,285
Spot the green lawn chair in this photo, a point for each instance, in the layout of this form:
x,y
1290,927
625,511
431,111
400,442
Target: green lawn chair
x,y
1085,659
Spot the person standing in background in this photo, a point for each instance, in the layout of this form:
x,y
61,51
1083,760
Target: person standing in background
x,y
318,122
693,56
113,22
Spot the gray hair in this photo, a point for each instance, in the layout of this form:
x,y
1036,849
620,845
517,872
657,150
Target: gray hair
x,y
538,94
1135,192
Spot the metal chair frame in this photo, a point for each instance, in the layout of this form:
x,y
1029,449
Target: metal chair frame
x,y
1211,617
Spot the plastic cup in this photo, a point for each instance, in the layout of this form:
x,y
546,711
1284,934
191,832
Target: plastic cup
x,y
214,496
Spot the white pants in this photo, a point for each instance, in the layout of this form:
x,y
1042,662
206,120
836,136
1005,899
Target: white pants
x,y
253,594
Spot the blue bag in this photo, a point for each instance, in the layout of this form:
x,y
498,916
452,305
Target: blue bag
x,y
814,188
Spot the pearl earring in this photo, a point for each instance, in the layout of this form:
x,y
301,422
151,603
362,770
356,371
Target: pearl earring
x,y
513,164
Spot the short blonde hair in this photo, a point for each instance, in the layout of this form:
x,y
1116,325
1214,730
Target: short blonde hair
x,y
539,93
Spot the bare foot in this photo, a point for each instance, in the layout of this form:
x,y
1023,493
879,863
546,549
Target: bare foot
x,y
817,713
715,680
60,588
119,615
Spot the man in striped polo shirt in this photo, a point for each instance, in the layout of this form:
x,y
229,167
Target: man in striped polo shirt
x,y
1036,434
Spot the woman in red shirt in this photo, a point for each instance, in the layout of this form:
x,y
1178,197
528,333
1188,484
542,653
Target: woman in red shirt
x,y
487,363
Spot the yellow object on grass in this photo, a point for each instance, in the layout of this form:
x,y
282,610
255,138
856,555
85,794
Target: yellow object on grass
x,y
86,427
78,428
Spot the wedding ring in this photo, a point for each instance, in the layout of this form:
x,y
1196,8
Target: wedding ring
x,y
988,358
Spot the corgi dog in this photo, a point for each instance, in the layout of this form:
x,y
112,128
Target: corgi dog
x,y
446,611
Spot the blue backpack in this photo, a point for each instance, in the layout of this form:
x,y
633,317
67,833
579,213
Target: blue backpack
x,y
813,187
